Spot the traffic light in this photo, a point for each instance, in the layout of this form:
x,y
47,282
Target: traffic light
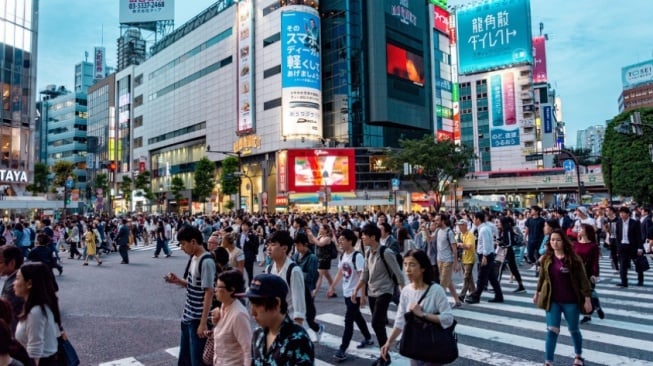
x,y
390,197
112,166
67,198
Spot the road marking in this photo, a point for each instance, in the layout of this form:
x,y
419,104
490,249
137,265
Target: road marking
x,y
129,361
174,351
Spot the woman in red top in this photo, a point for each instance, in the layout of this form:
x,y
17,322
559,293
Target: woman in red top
x,y
588,250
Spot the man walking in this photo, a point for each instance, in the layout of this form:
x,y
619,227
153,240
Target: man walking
x,y
122,240
535,233
486,269
447,256
199,281
629,245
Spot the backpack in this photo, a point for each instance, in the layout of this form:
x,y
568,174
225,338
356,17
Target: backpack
x,y
353,259
333,250
308,297
199,271
396,292
517,237
459,252
309,278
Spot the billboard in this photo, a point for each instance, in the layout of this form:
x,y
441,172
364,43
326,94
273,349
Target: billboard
x,y
145,11
405,64
245,71
492,34
310,170
548,119
637,74
301,72
539,60
503,108
99,63
441,20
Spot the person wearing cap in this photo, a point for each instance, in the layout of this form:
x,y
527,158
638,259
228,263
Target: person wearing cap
x,y
467,242
279,341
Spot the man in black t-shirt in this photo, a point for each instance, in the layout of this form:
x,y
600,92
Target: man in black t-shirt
x,y
535,233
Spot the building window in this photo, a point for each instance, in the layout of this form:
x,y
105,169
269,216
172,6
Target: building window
x,y
138,121
272,71
270,8
138,142
138,80
138,101
272,39
274,103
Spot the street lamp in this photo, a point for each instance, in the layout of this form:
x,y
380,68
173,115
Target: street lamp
x,y
325,176
251,187
237,154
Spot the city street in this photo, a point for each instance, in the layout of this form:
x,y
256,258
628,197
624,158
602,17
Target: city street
x,y
126,315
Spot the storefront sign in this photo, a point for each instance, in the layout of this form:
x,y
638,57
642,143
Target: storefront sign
x,y
247,143
7,175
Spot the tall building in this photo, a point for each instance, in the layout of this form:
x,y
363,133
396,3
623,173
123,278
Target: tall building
x,y
83,76
279,83
18,46
591,138
99,129
131,48
637,83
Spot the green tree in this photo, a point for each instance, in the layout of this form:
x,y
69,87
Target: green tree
x,y
62,170
628,156
204,179
434,165
144,181
228,180
40,182
176,187
126,187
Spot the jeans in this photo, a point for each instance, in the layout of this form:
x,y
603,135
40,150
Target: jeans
x,y
533,253
191,347
553,319
122,249
311,313
353,314
161,244
487,273
379,308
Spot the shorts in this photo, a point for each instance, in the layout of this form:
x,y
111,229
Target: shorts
x,y
324,263
446,270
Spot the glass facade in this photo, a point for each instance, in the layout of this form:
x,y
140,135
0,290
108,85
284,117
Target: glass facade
x,y
120,151
18,23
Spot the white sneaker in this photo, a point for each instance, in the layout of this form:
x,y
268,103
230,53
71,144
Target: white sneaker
x,y
318,334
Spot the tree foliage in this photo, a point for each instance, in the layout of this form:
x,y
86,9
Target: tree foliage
x,y
628,156
40,181
176,187
434,165
144,181
228,181
204,179
127,188
102,182
62,169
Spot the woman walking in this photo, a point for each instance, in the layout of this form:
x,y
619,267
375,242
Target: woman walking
x,y
236,255
588,251
434,307
506,240
161,242
39,324
323,243
562,287
90,240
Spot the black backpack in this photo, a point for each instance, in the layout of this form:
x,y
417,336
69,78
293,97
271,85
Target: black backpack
x,y
353,259
308,297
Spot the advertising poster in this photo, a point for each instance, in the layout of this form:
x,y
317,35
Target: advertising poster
x,y
441,20
301,72
548,119
492,34
245,68
99,63
539,60
456,121
496,94
637,74
282,171
311,170
405,64
509,105
144,11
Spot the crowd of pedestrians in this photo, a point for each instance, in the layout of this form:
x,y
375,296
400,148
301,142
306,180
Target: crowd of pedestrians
x,y
380,260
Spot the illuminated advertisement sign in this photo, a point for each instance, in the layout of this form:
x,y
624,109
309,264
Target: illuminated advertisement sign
x,y
637,74
405,65
144,11
310,170
440,3
441,20
539,60
503,108
492,34
548,119
300,72
99,64
245,68
282,171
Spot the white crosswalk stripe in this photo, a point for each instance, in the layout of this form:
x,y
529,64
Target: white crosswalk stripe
x,y
513,333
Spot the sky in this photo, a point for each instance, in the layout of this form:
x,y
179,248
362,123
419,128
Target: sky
x,y
589,43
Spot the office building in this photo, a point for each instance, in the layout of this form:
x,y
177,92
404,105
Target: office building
x,y
591,139
637,83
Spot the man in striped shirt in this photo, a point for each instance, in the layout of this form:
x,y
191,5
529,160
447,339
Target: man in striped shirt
x,y
199,281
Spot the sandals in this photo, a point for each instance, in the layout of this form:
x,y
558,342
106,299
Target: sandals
x,y
579,361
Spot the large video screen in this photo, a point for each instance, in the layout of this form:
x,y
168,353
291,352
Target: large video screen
x,y
313,169
405,64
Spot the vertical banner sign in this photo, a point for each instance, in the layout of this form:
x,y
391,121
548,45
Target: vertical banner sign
x,y
539,60
509,107
301,72
282,171
497,100
99,64
492,34
548,119
245,68
441,20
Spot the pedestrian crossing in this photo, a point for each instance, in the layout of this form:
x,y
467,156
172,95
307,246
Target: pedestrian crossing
x,y
512,333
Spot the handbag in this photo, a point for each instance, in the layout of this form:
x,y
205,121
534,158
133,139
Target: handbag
x,y
66,354
207,355
426,341
641,264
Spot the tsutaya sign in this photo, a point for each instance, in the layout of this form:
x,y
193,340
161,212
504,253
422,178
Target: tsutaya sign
x,y
19,176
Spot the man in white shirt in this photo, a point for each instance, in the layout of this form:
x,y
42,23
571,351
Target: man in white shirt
x,y
486,269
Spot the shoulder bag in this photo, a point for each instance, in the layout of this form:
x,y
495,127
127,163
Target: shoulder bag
x,y
426,341
66,354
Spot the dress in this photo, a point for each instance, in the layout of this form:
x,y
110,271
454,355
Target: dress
x,y
89,238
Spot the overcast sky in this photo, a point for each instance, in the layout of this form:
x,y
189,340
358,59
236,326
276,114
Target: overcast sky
x,y
589,43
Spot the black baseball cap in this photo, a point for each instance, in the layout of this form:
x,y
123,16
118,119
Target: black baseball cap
x,y
267,285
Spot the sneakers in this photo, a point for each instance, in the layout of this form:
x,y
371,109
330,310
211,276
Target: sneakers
x,y
364,343
340,356
585,319
600,312
519,290
318,334
472,300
